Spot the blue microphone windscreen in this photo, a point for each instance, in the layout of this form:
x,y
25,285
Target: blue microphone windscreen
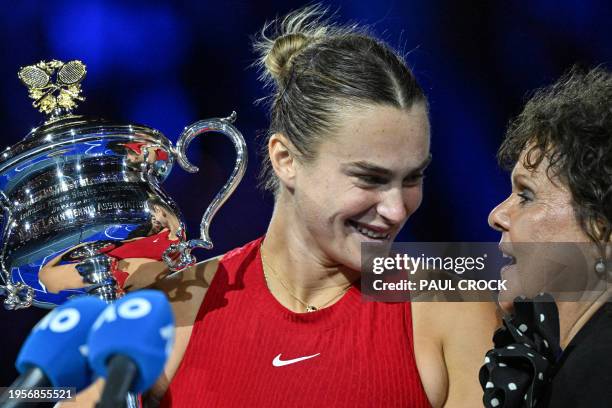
x,y
139,326
57,344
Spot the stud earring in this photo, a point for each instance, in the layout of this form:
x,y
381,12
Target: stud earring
x,y
600,266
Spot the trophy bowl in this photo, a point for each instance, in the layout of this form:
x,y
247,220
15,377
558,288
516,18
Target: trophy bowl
x,y
84,211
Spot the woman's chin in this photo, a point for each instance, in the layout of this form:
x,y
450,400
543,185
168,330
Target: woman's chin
x,y
506,305
352,261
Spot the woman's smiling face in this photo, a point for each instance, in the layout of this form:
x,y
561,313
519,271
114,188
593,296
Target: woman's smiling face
x,y
365,181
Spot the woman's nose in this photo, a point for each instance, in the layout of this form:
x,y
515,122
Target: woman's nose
x,y
498,218
393,206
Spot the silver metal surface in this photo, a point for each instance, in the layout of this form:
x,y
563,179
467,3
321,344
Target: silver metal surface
x,y
84,211
178,256
83,208
18,295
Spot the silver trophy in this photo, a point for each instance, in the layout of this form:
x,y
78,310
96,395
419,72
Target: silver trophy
x,y
83,207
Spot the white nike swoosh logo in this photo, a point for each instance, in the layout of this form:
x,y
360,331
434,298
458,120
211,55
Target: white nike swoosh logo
x,y
277,362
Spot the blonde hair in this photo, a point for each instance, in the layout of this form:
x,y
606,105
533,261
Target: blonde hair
x,y
318,69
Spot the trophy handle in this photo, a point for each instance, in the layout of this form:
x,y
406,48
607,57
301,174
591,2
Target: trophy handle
x,y
18,295
178,256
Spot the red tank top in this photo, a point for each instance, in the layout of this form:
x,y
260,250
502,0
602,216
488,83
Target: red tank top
x,y
136,147
152,247
247,350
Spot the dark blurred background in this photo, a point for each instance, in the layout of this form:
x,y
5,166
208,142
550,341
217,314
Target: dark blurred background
x,y
168,64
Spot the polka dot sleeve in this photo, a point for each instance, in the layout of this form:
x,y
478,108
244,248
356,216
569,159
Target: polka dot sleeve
x,y
517,371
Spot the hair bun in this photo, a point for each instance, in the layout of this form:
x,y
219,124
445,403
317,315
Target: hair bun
x,y
278,62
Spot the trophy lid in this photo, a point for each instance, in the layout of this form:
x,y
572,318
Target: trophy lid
x,y
55,87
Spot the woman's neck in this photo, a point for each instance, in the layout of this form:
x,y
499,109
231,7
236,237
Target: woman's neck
x,y
574,315
174,227
295,264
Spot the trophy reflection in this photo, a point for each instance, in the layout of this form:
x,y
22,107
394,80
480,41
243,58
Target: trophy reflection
x,y
84,210
140,253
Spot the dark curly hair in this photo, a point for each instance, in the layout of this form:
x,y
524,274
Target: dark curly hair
x,y
570,123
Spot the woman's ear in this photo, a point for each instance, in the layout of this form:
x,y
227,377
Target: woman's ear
x,y
282,158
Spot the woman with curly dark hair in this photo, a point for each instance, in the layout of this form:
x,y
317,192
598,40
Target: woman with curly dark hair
x,y
560,152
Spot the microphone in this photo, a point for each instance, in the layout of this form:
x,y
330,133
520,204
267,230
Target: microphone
x,y
53,353
130,343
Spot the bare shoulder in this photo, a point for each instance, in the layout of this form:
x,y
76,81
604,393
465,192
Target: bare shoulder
x,y
186,291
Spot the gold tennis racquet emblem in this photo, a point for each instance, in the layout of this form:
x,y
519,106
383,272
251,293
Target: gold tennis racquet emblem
x,y
54,86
